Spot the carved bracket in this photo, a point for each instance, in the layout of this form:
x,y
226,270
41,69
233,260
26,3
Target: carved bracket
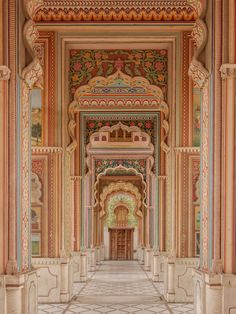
x,y
5,73
197,71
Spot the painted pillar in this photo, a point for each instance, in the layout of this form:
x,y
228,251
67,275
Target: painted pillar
x,y
162,208
228,72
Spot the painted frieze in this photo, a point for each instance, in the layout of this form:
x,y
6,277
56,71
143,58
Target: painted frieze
x,y
149,64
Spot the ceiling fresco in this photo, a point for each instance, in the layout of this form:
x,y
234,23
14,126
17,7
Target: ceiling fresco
x,y
96,11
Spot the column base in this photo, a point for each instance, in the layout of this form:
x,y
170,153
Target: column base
x,y
141,255
98,255
158,266
83,266
178,281
18,293
147,259
75,266
54,279
92,260
214,293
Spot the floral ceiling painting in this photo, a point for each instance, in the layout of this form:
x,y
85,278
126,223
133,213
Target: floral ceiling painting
x,y
150,64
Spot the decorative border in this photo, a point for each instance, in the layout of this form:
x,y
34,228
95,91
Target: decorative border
x,y
116,11
45,49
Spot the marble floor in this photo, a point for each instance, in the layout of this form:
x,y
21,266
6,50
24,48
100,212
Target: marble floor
x,y
117,287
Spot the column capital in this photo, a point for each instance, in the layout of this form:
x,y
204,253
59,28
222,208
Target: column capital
x,y
228,70
5,73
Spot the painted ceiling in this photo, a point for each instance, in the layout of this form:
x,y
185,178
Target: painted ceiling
x,y
79,11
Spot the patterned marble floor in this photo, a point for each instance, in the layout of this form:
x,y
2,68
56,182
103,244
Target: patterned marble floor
x,y
117,287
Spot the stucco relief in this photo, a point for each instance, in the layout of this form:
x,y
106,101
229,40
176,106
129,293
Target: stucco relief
x,y
5,73
36,189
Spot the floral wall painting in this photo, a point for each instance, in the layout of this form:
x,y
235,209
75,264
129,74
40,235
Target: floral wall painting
x,y
36,244
196,117
36,116
197,243
36,218
197,218
150,64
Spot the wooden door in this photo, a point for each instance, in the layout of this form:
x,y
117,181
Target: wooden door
x,y
121,244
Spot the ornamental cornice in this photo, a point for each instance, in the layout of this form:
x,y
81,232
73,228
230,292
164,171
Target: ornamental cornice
x,y
46,150
187,149
5,73
117,10
228,70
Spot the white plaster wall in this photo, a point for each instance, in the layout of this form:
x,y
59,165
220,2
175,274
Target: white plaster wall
x,y
54,279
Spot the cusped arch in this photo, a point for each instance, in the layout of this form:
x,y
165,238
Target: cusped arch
x,y
124,199
120,186
86,97
125,170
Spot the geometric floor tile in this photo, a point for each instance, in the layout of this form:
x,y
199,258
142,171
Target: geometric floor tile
x,y
117,287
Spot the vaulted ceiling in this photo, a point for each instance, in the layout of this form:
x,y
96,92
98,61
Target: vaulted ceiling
x,y
118,11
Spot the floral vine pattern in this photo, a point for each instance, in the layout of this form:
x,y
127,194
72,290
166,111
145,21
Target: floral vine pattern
x,y
102,164
150,64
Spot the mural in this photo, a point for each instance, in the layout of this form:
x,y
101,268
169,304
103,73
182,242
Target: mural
x,y
150,64
36,244
36,218
102,164
36,116
196,117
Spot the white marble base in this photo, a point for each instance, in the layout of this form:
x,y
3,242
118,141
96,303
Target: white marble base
x,y
157,267
141,255
98,255
178,279
214,293
54,279
18,293
92,259
102,253
83,266
147,259
75,266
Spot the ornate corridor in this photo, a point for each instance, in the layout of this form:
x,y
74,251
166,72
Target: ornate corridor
x,y
117,156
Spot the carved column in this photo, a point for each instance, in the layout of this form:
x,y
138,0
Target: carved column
x,y
228,74
162,208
